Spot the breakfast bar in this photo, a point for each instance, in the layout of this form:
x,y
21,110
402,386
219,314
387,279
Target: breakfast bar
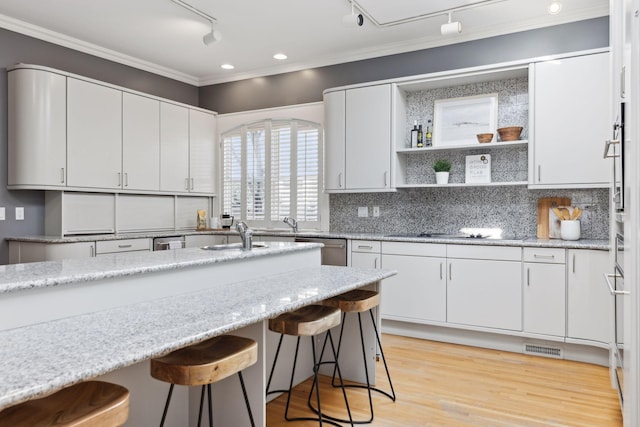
x,y
65,322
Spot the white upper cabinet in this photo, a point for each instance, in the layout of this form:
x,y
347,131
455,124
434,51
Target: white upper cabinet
x,y
202,130
140,143
334,140
570,116
94,135
174,147
37,128
358,139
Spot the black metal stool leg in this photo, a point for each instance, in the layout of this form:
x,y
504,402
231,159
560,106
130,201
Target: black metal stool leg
x,y
201,405
210,405
391,396
293,371
246,399
273,367
166,406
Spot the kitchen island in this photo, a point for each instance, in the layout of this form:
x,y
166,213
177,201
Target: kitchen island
x,y
68,321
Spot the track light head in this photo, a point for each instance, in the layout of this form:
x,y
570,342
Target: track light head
x,y
212,36
353,19
451,27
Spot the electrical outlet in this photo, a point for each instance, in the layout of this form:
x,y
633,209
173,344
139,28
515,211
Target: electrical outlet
x,y
376,211
363,212
19,214
2,214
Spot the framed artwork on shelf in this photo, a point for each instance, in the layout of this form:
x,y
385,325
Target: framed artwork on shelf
x,y
457,121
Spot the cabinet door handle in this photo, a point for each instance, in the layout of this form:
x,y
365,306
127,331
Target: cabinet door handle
x,y
385,178
528,276
340,180
450,271
539,171
611,290
574,264
62,175
192,185
440,271
91,251
119,179
126,179
544,256
375,262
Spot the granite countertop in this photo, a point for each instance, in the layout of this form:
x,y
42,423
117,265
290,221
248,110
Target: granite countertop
x,y
39,359
512,241
15,277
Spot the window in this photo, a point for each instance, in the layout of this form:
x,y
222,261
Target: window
x,y
272,169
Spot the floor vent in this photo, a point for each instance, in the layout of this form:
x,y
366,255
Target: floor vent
x,y
543,350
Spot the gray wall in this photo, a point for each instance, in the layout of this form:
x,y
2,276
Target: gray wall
x,y
16,48
307,86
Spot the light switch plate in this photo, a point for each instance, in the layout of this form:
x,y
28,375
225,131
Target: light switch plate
x,y
2,214
376,211
363,212
19,214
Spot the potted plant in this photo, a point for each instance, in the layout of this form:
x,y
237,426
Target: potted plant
x,y
442,168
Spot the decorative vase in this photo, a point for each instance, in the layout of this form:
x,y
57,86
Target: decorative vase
x,y
442,177
570,230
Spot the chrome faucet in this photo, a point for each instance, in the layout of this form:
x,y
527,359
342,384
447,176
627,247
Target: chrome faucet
x,y
246,234
291,222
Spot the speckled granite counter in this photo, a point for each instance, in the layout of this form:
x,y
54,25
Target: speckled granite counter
x,y
519,241
39,359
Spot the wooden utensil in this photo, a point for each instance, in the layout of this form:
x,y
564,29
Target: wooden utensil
x,y
576,213
544,204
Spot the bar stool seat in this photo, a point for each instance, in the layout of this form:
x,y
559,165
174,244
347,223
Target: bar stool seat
x,y
359,301
309,321
205,363
87,404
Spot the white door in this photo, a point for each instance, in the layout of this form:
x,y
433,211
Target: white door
x,y
94,135
417,292
484,293
368,137
589,301
334,140
544,298
202,130
140,143
174,148
571,121
37,128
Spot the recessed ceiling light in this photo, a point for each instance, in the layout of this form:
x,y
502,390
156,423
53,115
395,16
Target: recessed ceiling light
x,y
227,66
554,7
280,56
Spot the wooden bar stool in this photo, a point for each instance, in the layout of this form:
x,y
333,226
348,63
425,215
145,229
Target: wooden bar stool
x,y
204,364
358,301
88,404
310,321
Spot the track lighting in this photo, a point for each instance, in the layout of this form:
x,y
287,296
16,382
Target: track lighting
x,y
352,18
212,36
451,27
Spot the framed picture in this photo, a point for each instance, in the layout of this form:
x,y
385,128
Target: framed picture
x,y
457,121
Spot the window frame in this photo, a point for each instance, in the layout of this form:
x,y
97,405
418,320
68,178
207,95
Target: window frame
x,y
268,126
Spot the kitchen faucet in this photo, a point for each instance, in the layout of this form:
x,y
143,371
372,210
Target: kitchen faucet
x,y
291,222
246,234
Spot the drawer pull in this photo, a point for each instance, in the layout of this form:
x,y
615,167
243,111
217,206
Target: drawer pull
x,y
611,290
544,256
124,246
365,247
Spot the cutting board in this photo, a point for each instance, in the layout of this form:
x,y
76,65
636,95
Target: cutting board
x,y
544,204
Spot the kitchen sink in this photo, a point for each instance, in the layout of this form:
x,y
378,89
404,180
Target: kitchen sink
x,y
440,235
224,247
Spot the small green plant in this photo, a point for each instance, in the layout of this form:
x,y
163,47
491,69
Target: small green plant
x,y
442,165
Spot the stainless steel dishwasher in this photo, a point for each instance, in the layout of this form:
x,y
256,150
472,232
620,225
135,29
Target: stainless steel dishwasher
x,y
334,251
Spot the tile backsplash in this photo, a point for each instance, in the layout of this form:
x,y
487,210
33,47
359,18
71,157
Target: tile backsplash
x,y
448,209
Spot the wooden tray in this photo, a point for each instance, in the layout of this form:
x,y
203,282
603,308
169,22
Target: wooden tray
x,y
544,204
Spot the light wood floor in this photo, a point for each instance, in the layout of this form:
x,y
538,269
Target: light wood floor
x,y
441,384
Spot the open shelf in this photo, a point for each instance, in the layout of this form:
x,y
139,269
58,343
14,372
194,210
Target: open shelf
x,y
489,145
463,184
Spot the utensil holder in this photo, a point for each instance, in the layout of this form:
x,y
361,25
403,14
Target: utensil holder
x,y
570,230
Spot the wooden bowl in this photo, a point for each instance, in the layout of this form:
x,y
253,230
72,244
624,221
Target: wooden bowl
x,y
484,137
511,133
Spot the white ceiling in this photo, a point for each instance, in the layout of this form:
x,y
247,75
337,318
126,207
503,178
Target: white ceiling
x,y
162,37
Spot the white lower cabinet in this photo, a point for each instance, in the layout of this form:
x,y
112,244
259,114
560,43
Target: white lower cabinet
x,y
120,246
589,301
544,291
484,286
365,253
419,291
21,252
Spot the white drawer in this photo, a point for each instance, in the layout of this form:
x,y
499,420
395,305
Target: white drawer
x,y
126,245
501,253
365,246
546,255
416,249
